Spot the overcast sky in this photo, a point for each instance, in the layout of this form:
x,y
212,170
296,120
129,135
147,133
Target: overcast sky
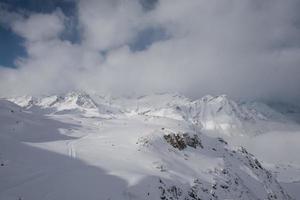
x,y
247,49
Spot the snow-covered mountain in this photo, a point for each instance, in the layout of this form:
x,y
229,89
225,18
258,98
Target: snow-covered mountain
x,y
86,146
72,102
216,115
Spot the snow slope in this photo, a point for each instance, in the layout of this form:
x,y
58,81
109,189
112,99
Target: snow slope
x,y
216,115
79,146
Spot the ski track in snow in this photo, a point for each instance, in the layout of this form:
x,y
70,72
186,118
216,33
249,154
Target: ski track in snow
x,y
71,149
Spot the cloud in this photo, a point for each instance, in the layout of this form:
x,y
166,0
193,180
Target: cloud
x,y
109,23
274,147
246,49
40,26
6,17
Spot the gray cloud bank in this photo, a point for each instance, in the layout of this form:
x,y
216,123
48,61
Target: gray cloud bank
x,y
246,49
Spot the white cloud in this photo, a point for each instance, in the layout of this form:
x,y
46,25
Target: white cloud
x,y
246,49
40,26
109,23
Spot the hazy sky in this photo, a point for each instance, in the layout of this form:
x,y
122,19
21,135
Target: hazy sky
x,y
243,48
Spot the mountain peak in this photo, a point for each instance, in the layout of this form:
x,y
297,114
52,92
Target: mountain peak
x,y
81,99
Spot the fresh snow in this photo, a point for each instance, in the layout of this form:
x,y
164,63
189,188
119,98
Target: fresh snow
x,y
87,146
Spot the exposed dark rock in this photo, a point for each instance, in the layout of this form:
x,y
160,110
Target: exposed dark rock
x,y
176,140
222,140
181,141
258,164
169,192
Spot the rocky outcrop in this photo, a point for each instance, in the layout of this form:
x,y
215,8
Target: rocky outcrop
x,y
182,141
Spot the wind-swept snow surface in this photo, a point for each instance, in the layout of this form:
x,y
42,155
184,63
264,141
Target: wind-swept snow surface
x,y
80,146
